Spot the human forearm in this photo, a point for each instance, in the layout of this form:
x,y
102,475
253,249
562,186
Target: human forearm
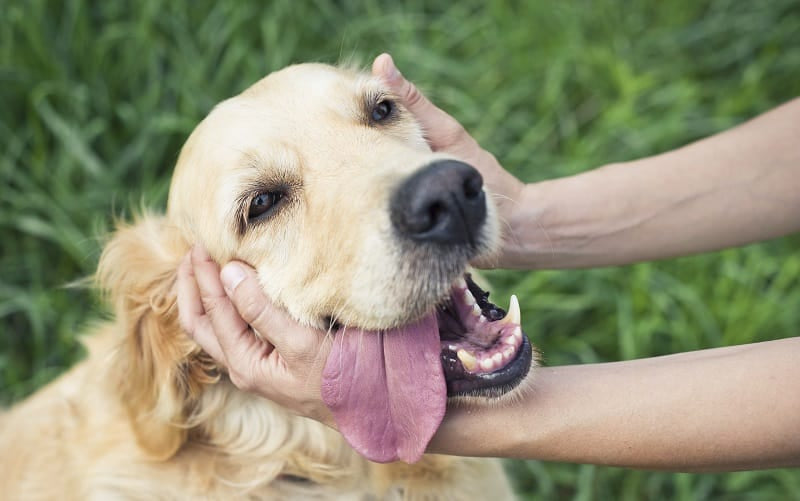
x,y
734,188
723,409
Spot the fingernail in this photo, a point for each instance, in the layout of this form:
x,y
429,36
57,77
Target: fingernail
x,y
231,276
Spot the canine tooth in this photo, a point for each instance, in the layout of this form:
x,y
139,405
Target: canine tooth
x,y
476,310
468,298
487,364
497,358
513,316
468,360
461,283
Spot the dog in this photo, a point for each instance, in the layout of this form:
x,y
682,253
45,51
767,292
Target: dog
x,y
321,179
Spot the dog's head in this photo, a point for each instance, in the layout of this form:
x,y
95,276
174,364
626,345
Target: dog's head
x,y
320,179
324,183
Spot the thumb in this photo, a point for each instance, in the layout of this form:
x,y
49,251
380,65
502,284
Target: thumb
x,y
441,129
274,325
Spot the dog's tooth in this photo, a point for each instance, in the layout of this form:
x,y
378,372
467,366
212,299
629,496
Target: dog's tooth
x,y
468,298
468,360
517,335
482,320
497,358
508,352
461,283
510,340
476,310
487,364
513,316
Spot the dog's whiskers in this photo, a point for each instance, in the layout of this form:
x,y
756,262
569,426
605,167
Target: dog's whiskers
x,y
329,338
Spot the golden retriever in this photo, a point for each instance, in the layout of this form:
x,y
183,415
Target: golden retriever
x,y
323,182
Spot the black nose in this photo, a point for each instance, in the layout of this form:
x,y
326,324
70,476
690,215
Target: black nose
x,y
442,203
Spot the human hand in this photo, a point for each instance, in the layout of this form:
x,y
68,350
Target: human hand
x,y
265,352
445,134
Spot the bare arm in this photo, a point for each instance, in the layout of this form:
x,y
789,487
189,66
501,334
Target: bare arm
x,y
724,409
734,188
737,187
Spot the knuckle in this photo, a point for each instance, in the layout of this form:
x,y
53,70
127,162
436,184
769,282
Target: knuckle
x,y
413,97
300,351
292,354
185,325
252,310
212,305
457,132
243,332
241,382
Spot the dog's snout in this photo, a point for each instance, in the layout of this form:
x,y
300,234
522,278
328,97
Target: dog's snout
x,y
442,203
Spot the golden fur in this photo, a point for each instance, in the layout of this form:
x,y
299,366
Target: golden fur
x,y
148,415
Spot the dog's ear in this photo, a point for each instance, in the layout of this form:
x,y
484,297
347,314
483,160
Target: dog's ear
x,y
158,370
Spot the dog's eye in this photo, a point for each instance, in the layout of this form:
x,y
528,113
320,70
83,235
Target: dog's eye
x,y
263,203
382,110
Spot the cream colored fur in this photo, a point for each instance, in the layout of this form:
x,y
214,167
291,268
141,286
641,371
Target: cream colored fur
x,y
148,415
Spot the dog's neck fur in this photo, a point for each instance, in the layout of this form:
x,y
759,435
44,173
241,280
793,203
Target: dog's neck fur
x,y
238,444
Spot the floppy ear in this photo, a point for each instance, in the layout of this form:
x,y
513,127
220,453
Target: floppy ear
x,y
159,371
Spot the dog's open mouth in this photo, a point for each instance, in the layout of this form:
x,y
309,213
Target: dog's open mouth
x,y
388,389
484,352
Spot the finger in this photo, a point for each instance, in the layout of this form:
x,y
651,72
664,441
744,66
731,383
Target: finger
x,y
206,273
415,101
237,343
245,290
191,314
442,130
190,308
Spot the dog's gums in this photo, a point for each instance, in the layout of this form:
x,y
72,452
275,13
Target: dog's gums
x,y
484,352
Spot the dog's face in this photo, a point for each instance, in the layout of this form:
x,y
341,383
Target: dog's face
x,y
322,181
296,176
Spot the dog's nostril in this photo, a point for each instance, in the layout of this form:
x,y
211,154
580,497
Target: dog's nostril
x,y
436,212
473,186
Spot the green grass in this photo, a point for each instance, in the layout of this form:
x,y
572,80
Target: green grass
x,y
97,97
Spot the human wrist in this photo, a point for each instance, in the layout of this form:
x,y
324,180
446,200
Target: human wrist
x,y
463,432
567,222
525,425
504,184
524,237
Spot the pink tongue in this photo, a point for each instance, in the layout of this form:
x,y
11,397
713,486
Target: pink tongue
x,y
386,389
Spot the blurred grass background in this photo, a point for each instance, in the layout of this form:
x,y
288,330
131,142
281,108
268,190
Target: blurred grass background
x,y
96,99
